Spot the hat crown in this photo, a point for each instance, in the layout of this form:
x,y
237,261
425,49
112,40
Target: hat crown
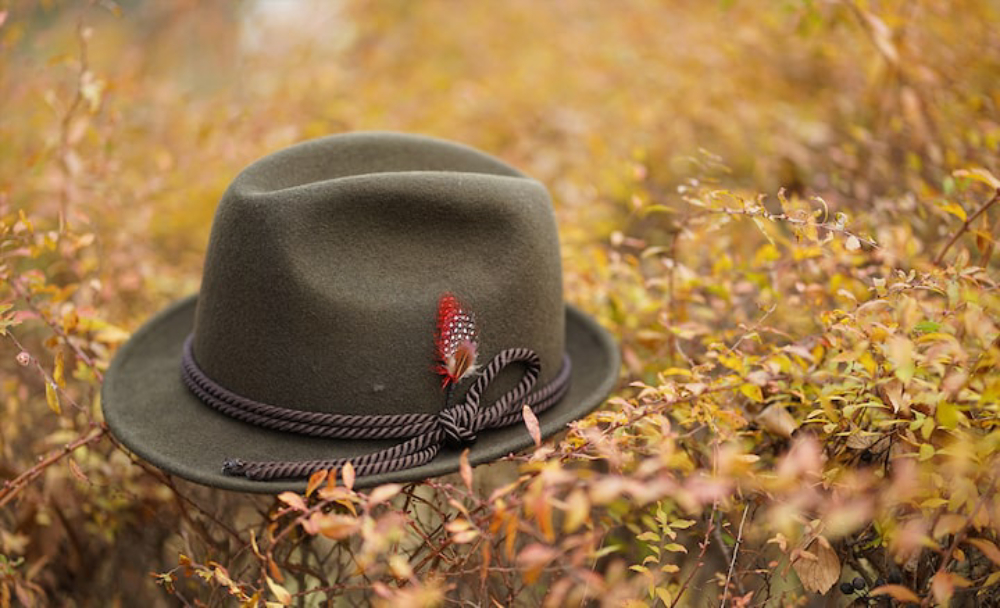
x,y
328,259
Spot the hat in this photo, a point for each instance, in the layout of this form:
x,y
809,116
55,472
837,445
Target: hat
x,y
378,298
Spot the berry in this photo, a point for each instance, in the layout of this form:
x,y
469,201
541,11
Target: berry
x,y
846,588
859,583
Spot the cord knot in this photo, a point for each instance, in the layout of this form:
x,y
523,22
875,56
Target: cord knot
x,y
460,424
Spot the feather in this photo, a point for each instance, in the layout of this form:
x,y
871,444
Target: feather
x,y
457,341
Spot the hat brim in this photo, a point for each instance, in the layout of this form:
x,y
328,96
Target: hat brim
x,y
151,412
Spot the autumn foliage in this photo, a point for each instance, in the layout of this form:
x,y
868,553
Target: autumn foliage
x,y
786,212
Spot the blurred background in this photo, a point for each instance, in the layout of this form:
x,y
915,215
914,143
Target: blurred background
x,y
121,124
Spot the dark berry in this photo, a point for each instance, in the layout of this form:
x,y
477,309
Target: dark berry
x,y
879,581
859,583
846,588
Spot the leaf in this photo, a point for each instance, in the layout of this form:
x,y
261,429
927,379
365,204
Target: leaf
x,y
853,243
315,481
347,474
52,398
534,558
531,422
280,593
987,548
896,592
752,392
464,469
979,175
293,500
818,566
58,373
383,493
776,420
577,510
955,209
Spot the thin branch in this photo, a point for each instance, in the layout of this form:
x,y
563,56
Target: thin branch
x,y
965,226
22,293
13,487
732,562
701,556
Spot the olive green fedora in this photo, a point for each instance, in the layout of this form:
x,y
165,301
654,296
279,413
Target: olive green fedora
x,y
382,299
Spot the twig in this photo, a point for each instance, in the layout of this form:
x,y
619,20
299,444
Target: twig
x,y
732,562
21,293
13,487
965,226
701,556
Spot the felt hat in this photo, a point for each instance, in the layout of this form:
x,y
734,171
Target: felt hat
x,y
378,298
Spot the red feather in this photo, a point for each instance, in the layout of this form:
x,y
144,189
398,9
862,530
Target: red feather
x,y
457,340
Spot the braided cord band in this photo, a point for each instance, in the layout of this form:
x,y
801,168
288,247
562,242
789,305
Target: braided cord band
x,y
424,434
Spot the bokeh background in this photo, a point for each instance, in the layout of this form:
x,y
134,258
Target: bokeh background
x,y
665,131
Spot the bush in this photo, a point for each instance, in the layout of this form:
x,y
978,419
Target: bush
x,y
785,212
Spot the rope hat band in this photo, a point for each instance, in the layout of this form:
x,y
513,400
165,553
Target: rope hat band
x,y
424,434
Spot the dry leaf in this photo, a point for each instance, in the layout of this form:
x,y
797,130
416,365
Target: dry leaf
x,y
896,592
776,420
818,566
383,493
347,473
293,500
531,421
987,548
280,593
315,480
464,469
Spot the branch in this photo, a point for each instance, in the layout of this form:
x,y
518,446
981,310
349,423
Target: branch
x,y
965,226
732,562
14,486
701,556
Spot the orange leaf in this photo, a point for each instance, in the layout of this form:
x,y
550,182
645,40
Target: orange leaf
x,y
531,421
315,480
987,548
464,469
293,500
896,592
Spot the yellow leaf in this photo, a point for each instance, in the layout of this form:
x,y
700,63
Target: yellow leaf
x,y
820,568
58,374
577,510
979,175
955,209
52,398
752,392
